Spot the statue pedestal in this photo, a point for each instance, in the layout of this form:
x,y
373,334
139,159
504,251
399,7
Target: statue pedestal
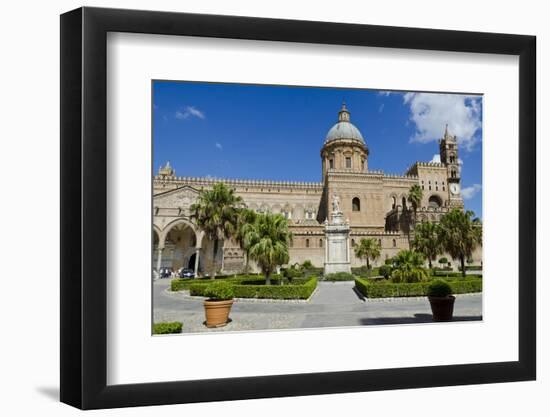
x,y
337,248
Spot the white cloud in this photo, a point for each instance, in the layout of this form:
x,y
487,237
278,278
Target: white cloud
x,y
219,146
431,112
188,112
381,108
470,192
436,158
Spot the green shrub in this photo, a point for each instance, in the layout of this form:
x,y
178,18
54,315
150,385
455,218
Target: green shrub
x,y
388,261
339,276
307,264
219,291
439,268
439,288
362,271
291,273
447,274
443,260
473,267
167,327
413,275
180,284
385,271
302,289
388,289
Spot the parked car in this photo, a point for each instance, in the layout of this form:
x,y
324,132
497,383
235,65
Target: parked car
x,y
165,272
187,273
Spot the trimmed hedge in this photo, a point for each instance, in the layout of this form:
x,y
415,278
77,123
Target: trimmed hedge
x,y
179,284
363,271
301,290
167,327
387,289
443,274
339,276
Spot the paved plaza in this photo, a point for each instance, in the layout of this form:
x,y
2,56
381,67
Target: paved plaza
x,y
334,304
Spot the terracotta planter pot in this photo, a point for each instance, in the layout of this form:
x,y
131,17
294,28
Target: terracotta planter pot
x,y
442,307
217,312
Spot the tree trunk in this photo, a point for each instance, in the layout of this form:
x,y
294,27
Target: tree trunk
x,y
214,253
246,262
462,267
267,277
430,263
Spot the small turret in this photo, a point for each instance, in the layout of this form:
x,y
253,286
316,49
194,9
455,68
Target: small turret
x,y
167,170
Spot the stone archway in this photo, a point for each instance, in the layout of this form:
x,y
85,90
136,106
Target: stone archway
x,y
192,260
176,244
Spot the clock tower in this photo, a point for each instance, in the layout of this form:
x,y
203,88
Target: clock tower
x,y
448,151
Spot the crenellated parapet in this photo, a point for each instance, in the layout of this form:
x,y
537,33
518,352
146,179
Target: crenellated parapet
x,y
413,169
210,181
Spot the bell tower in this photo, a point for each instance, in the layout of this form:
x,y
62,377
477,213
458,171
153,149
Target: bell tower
x,y
448,151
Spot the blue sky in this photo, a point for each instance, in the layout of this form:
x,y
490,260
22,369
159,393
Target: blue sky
x,y
276,132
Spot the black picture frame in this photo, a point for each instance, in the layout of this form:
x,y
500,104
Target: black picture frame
x,y
84,207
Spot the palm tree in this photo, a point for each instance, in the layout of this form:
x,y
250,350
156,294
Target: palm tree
x,y
268,241
408,267
426,241
216,214
368,249
415,198
460,235
245,226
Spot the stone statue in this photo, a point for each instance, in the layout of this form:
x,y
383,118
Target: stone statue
x,y
335,204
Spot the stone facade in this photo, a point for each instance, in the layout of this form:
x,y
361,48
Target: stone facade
x,y
373,203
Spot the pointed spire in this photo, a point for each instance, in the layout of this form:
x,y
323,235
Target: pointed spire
x,y
447,135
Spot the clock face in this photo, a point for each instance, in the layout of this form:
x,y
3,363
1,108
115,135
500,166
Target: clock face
x,y
455,189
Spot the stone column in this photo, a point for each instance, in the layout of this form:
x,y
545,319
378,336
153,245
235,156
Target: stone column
x,y
197,255
326,249
159,258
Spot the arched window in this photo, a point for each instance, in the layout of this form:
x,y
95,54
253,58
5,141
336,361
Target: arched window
x,y
355,204
404,202
394,243
453,173
320,243
352,242
307,243
393,202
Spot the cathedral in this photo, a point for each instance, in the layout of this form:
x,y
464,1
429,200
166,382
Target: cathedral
x,y
374,204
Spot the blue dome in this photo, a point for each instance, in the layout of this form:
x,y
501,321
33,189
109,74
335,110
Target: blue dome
x,y
344,129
